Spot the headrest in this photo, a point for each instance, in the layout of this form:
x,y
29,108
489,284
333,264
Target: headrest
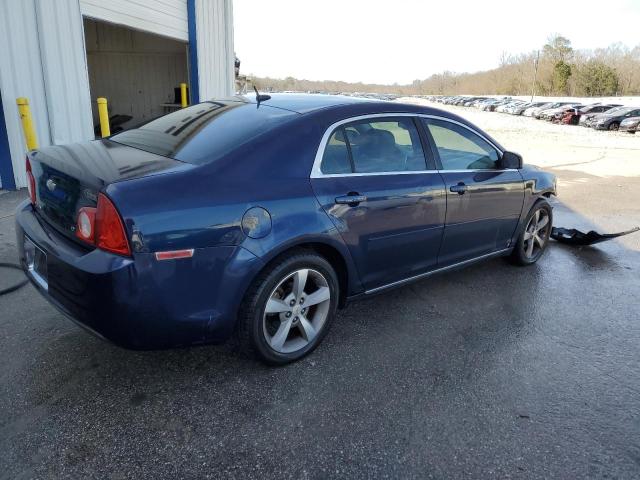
x,y
385,139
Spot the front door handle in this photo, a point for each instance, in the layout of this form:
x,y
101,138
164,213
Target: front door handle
x,y
460,188
351,199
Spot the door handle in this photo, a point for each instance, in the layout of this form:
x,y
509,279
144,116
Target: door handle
x,y
460,188
351,199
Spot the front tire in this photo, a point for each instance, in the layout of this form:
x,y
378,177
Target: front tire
x,y
534,238
614,126
289,308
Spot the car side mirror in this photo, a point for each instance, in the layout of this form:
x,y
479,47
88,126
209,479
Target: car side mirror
x,y
511,160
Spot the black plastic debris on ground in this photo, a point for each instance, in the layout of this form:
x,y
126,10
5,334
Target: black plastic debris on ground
x,y
571,236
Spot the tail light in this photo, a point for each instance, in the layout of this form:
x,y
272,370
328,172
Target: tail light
x,y
31,182
110,233
85,228
103,227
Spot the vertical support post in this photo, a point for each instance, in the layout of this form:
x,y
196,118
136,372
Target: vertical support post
x,y
194,80
183,95
27,123
103,113
7,178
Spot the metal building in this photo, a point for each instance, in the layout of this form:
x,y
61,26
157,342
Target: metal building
x,y
64,54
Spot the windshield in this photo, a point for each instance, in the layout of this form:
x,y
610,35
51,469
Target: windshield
x,y
620,110
204,132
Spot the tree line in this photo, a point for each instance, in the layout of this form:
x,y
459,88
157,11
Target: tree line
x,y
557,69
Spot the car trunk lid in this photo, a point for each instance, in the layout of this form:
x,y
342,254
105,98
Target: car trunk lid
x,y
69,177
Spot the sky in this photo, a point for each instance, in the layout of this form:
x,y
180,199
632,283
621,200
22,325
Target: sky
x,y
398,41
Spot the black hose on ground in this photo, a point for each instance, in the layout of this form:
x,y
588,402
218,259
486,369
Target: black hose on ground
x,y
18,285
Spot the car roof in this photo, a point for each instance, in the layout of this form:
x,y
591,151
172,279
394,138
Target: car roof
x,y
308,102
330,108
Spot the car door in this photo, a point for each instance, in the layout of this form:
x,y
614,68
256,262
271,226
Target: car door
x,y
484,201
371,178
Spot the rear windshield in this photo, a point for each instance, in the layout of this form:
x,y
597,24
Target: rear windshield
x,y
204,132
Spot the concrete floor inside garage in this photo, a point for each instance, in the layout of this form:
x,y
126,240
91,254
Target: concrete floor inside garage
x,y
489,372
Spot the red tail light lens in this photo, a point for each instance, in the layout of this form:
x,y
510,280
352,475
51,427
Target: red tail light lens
x,y
31,183
110,234
103,227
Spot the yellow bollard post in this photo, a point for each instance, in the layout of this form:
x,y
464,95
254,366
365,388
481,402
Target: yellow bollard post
x,y
27,123
183,94
103,113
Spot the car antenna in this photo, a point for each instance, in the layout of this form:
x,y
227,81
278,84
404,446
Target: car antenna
x,y
260,98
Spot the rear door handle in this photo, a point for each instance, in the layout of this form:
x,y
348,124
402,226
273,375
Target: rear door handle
x,y
351,199
460,188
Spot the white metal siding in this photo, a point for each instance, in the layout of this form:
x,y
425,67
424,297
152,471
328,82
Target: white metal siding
x,y
21,76
214,31
43,59
64,67
163,17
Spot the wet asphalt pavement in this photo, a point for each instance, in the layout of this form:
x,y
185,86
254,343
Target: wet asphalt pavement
x,y
490,372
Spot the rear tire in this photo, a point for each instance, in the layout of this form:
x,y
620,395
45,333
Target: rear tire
x,y
289,308
534,238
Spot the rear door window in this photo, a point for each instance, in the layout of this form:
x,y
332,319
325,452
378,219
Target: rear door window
x,y
374,146
336,154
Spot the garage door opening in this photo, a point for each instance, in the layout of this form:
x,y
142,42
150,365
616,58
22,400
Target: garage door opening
x,y
139,73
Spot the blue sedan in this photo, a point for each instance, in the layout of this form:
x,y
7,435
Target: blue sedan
x,y
261,217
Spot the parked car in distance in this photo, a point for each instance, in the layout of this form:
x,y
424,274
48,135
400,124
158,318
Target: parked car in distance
x,y
556,107
530,112
493,106
487,104
519,110
612,120
555,115
576,117
473,101
504,108
588,118
260,217
631,124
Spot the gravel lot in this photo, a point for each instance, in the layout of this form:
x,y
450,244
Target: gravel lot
x,y
490,372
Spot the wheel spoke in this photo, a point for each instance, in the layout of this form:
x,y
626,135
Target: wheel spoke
x,y
530,248
322,294
538,240
528,235
275,305
277,341
307,330
299,281
542,222
536,217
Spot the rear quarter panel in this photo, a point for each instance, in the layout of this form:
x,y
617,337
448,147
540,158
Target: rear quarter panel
x,y
204,206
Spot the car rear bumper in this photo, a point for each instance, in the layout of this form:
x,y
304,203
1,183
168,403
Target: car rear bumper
x,y
139,302
628,128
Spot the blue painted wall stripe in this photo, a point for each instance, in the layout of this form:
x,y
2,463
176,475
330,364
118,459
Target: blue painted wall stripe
x,y
194,86
6,168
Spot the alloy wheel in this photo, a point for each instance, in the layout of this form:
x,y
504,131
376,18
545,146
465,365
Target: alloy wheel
x,y
296,310
536,234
